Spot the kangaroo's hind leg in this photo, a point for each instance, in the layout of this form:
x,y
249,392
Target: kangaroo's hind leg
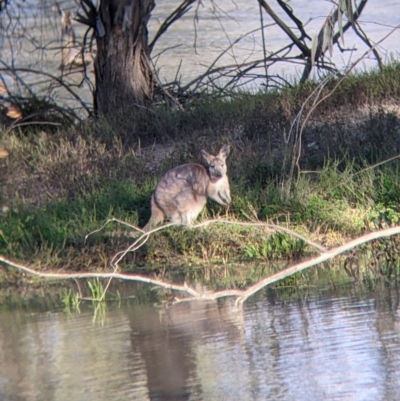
x,y
189,206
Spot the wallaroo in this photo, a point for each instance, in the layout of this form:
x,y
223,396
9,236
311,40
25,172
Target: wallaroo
x,y
182,192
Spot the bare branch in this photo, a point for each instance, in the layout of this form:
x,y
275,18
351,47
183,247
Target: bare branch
x,y
121,276
303,48
54,78
361,34
145,235
317,260
324,38
289,11
179,12
241,295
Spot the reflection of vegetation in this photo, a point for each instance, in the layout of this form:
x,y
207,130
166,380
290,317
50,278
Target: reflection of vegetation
x,y
70,300
100,311
376,262
98,298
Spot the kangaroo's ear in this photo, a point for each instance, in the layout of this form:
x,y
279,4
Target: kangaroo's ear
x,y
206,155
224,152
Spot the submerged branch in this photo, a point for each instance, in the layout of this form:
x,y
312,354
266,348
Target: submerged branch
x,y
75,275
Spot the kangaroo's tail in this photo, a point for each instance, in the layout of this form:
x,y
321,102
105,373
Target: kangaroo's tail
x,y
157,216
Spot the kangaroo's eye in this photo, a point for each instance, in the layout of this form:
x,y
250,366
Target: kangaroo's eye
x,y
212,165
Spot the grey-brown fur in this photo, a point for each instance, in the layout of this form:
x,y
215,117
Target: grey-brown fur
x,y
182,192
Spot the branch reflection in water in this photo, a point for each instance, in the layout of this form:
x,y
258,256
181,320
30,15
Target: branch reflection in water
x,y
322,346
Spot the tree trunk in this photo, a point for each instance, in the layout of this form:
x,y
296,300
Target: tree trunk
x,y
122,66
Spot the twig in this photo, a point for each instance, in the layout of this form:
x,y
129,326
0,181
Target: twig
x,y
145,235
109,221
270,226
298,42
289,11
137,244
362,35
211,69
163,88
22,124
263,43
178,13
54,78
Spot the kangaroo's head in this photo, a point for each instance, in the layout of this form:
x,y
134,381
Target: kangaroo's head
x,y
216,165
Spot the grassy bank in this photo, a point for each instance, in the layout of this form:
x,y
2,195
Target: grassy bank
x,y
59,185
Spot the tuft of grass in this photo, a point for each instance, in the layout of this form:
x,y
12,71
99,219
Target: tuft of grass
x,y
70,300
277,246
96,290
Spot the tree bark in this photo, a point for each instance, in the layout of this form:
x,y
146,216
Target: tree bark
x,y
123,70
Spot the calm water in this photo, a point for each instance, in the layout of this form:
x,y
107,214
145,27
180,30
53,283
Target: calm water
x,y
326,347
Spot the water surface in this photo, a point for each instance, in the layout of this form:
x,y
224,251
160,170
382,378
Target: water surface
x,y
329,346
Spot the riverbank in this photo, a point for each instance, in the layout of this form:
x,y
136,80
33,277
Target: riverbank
x,y
59,185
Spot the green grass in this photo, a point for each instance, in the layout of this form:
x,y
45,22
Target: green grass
x,y
70,300
333,203
97,290
59,228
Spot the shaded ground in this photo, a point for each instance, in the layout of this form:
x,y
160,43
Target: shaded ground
x,y
48,166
